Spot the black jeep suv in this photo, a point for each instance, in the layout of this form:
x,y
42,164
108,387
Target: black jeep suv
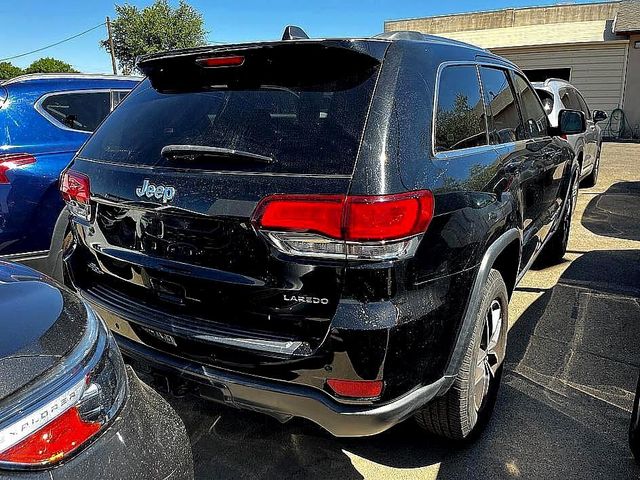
x,y
328,229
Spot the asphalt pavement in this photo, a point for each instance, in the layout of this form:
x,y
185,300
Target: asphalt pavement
x,y
566,396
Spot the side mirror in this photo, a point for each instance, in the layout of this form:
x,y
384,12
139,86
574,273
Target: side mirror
x,y
570,122
599,116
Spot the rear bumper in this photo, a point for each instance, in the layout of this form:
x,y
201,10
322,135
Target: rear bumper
x,y
146,441
284,399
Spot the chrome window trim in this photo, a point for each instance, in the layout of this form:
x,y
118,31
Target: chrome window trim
x,y
73,76
40,109
463,152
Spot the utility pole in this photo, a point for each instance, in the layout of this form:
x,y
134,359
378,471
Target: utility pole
x,y
113,53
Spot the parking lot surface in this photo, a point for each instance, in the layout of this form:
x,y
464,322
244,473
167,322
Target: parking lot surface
x,y
566,397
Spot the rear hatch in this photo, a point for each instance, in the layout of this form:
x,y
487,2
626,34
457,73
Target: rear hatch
x,y
177,171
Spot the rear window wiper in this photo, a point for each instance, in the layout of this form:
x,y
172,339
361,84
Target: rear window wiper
x,y
194,152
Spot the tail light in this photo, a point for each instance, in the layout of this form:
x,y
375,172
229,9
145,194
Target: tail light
x,y
76,191
356,388
226,61
54,427
12,161
337,226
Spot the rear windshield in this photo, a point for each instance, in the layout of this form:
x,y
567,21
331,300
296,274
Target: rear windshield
x,y
305,128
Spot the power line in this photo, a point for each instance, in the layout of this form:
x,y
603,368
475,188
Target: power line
x,y
53,44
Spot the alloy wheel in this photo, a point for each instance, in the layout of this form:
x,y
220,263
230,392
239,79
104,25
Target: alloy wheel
x,y
490,355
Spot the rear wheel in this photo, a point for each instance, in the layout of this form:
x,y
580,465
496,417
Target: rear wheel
x,y
468,404
591,179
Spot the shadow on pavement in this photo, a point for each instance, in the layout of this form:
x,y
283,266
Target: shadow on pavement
x,y
231,444
566,398
616,212
572,369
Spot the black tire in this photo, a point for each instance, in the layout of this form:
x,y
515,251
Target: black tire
x,y
591,179
456,415
556,247
59,244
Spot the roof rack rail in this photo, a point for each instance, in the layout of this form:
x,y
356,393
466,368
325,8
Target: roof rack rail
x,y
292,32
70,76
401,35
554,79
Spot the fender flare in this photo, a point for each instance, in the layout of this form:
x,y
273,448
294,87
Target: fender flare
x,y
468,321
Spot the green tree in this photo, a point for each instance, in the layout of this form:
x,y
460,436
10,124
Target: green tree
x,y
459,126
7,71
49,65
153,29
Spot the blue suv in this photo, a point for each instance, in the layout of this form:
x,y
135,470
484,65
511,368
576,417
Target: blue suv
x,y
44,120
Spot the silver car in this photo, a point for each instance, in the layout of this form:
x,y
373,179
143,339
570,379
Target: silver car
x,y
559,94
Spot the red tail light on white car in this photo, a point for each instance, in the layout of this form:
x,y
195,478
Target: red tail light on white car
x,y
359,227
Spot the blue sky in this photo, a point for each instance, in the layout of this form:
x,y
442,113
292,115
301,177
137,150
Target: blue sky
x,y
30,24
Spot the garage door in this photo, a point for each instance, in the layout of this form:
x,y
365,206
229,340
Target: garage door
x,y
596,70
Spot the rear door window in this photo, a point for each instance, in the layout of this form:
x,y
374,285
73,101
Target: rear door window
x,y
583,105
77,110
570,99
306,125
460,117
535,119
505,125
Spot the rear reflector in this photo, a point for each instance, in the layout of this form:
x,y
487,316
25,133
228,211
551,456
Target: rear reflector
x,y
350,218
12,161
356,388
228,61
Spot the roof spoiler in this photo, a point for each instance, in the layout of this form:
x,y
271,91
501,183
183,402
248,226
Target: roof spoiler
x,y
292,32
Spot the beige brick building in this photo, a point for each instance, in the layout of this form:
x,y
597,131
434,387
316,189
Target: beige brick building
x,y
596,46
